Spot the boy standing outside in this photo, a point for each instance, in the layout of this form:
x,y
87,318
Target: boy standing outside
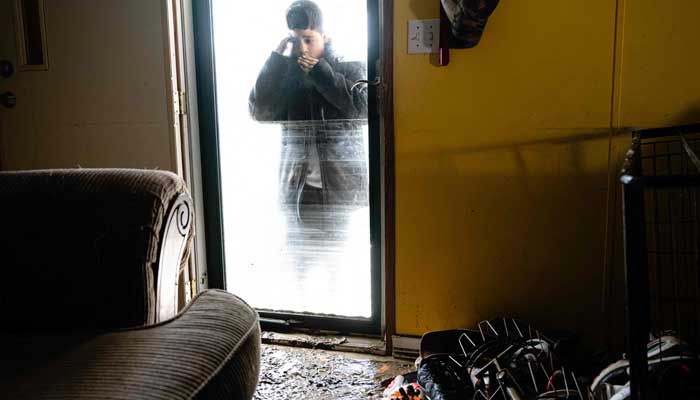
x,y
314,95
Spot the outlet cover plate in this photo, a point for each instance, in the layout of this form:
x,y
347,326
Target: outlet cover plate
x,y
423,36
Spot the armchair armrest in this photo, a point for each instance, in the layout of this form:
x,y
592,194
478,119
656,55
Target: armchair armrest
x,y
89,248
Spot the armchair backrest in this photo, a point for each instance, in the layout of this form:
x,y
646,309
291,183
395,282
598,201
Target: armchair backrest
x,y
80,249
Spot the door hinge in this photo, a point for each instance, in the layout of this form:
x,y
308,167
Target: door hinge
x,y
181,103
190,290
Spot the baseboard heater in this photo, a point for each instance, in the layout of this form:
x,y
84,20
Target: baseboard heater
x,y
405,347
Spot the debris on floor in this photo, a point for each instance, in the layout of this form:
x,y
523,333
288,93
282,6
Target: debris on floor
x,y
507,359
299,340
398,389
302,373
674,373
502,359
327,341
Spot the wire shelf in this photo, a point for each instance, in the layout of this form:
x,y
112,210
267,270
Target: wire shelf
x,y
661,202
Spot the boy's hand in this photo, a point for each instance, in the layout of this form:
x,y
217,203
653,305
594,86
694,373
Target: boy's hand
x,y
306,63
282,47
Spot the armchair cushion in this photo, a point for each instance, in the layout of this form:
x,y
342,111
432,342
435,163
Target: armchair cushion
x,y
211,350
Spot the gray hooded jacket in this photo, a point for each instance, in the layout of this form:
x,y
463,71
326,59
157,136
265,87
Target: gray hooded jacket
x,y
319,109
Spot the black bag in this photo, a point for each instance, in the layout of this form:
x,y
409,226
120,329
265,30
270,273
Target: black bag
x,y
467,20
443,379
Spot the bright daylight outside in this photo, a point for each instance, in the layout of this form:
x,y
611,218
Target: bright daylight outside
x,y
293,148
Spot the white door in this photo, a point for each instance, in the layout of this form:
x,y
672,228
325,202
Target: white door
x,y
102,101
17,119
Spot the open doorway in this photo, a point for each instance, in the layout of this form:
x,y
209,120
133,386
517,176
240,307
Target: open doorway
x,y
299,159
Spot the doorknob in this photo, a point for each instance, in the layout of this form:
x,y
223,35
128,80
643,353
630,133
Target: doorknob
x,y
376,82
6,69
8,99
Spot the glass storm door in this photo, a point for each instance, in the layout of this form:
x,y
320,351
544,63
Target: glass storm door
x,y
298,159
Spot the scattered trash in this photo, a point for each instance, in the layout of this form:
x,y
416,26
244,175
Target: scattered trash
x,y
398,389
674,373
507,359
394,386
442,378
502,359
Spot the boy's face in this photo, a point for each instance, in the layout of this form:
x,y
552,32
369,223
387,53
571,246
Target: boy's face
x,y
309,42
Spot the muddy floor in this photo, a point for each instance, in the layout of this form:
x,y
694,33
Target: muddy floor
x,y
310,374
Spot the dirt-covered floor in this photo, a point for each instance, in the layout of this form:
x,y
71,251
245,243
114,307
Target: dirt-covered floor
x,y
310,374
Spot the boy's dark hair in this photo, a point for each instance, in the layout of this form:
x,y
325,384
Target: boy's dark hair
x,y
304,14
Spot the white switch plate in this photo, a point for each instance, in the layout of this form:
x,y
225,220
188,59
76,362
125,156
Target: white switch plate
x,y
423,36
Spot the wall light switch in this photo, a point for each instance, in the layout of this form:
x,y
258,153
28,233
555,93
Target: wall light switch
x,y
423,36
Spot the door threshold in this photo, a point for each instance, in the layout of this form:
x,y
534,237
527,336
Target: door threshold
x,y
330,341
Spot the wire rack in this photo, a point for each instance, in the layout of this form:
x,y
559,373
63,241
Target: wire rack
x,y
661,204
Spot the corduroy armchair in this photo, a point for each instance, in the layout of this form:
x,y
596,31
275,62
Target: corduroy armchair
x,y
91,261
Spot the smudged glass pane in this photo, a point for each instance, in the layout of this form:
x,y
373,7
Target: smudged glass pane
x,y
293,135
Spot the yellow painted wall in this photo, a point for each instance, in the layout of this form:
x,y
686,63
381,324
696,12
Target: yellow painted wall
x,y
506,192
659,69
501,163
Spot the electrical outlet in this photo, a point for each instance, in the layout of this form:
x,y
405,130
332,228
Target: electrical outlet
x,y
423,36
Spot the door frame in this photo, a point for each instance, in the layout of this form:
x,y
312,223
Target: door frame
x,y
181,86
381,159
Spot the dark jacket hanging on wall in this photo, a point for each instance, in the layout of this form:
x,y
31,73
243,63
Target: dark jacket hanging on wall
x,y
467,20
319,109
